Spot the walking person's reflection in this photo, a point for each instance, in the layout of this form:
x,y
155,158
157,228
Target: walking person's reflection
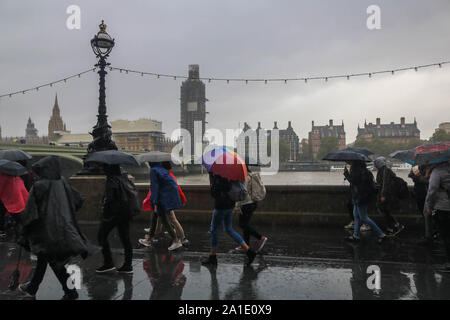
x,y
245,288
165,272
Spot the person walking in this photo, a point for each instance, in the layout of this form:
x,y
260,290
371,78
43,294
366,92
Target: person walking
x,y
420,178
164,198
438,201
362,188
256,192
386,198
222,215
117,212
156,226
49,226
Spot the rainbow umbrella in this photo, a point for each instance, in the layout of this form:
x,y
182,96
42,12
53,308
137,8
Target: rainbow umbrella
x,y
225,163
425,154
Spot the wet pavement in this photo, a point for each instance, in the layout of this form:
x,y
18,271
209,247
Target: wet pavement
x,y
296,264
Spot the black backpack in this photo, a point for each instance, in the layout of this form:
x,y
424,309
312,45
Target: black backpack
x,y
401,188
134,205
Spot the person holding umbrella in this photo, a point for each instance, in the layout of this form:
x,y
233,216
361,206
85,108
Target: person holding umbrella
x,y
438,200
226,171
120,205
362,188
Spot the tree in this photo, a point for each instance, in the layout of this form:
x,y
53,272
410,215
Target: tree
x,y
440,136
284,150
327,145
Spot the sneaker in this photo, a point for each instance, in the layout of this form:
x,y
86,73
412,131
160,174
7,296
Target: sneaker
x,y
398,228
352,239
2,234
72,295
251,256
175,245
24,289
210,262
125,269
239,249
261,243
365,227
389,231
185,242
104,269
147,230
351,225
145,242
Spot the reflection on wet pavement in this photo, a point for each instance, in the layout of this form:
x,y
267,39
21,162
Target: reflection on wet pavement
x,y
297,264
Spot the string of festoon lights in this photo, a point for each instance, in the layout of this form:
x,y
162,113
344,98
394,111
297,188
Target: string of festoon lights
x,y
347,76
50,84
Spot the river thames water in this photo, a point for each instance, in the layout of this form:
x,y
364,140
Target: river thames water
x,y
292,178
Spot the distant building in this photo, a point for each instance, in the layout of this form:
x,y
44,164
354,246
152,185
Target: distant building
x,y
31,132
443,126
317,133
291,138
142,135
73,139
193,103
31,135
56,123
396,133
252,146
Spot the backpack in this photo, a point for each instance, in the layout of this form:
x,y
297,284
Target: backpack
x,y
258,190
401,188
132,198
238,191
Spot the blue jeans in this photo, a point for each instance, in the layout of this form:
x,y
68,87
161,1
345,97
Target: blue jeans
x,y
225,217
360,215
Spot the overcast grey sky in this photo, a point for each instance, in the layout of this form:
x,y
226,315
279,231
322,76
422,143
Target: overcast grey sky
x,y
277,38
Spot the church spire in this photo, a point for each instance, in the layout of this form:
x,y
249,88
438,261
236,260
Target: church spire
x,y
56,110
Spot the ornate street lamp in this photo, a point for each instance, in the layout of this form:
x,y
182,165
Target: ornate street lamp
x,y
102,44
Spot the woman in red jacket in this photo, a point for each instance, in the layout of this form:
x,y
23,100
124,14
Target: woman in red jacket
x,y
156,226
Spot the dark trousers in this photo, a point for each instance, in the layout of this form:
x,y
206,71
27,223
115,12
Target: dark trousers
x,y
163,215
244,222
123,228
385,209
443,218
59,270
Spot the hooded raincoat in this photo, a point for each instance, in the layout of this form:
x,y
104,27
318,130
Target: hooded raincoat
x,y
164,190
50,227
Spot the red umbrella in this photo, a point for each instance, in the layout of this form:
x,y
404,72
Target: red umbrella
x,y
226,164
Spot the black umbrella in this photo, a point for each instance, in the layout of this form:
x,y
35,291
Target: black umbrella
x,y
343,155
113,157
14,155
12,168
155,156
363,151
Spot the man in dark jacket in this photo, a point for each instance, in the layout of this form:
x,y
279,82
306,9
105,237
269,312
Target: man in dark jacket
x,y
222,214
116,213
50,229
386,199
